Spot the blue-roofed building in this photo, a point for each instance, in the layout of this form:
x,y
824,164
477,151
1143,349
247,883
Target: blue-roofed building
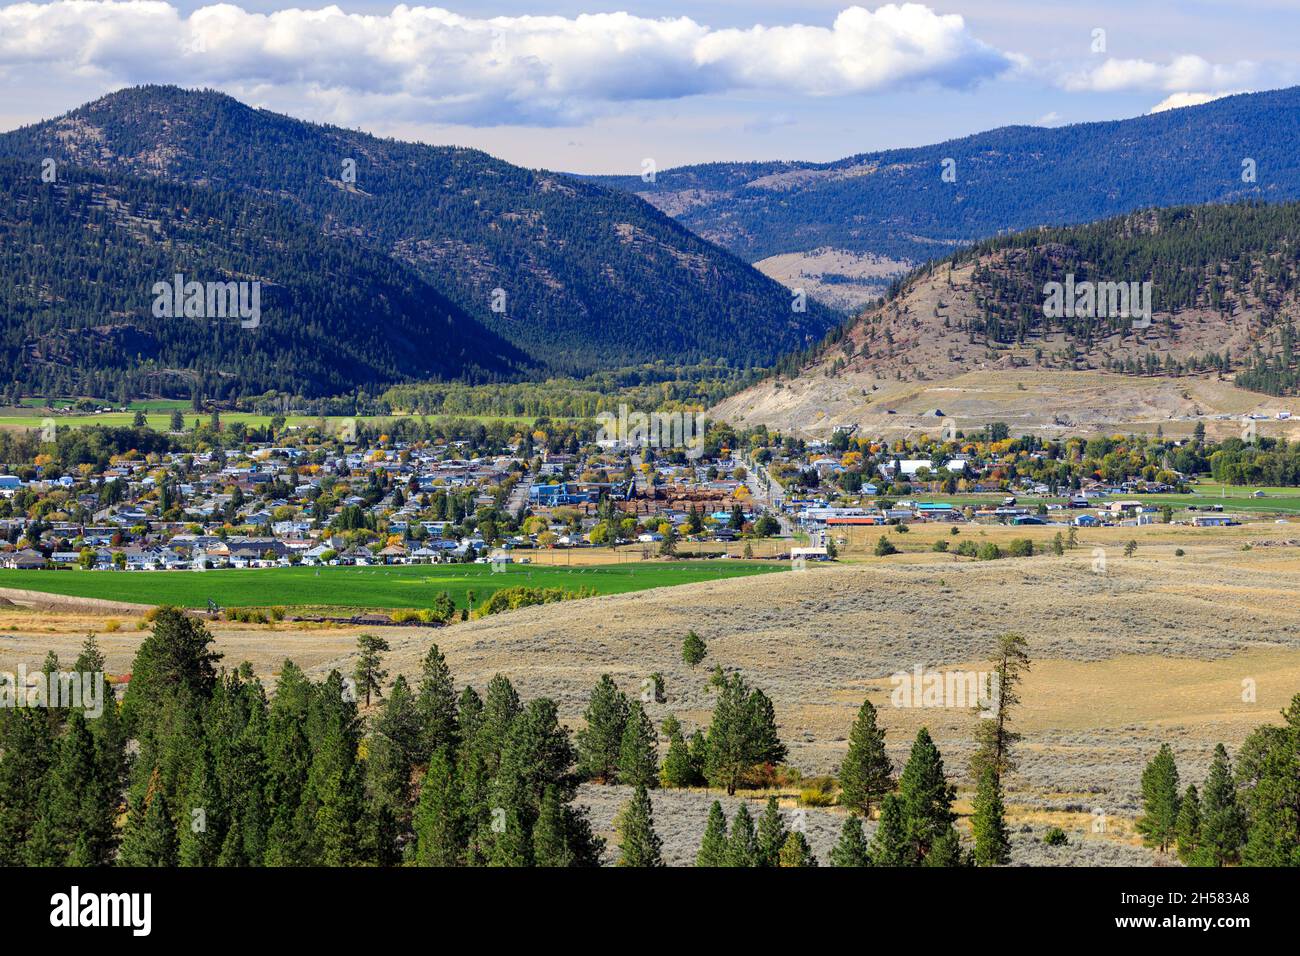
x,y
565,493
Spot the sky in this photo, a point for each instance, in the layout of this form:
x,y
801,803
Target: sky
x,y
603,86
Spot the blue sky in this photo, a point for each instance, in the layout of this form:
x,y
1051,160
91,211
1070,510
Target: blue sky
x,y
599,87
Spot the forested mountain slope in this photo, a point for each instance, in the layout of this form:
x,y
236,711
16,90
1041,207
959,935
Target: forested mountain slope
x,y
80,257
588,277
895,204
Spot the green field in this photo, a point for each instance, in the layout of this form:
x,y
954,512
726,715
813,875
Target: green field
x,y
401,586
33,413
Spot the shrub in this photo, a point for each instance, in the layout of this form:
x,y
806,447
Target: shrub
x,y
988,551
940,545
968,549
1055,836
112,625
1020,548
818,792
1179,552
885,547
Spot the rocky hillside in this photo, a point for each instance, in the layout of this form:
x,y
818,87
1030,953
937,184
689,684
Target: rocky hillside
x,y
975,334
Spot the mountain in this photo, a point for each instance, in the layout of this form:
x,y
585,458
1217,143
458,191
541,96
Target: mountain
x,y
80,258
581,277
976,336
844,228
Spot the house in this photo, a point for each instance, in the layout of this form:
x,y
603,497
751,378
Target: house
x,y
24,560
1213,521
1086,521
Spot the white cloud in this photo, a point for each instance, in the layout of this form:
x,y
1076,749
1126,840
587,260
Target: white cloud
x,y
430,64
1176,101
1185,72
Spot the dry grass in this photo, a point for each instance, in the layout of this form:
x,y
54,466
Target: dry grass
x,y
1156,649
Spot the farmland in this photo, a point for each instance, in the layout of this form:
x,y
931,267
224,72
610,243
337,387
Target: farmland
x,y
406,586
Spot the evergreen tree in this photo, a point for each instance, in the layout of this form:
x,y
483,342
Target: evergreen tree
x,y
713,848
1189,828
150,837
1222,823
202,824
771,834
678,769
550,833
439,822
1274,799
988,823
946,850
851,850
890,845
600,742
1159,821
796,851
435,706
394,750
742,843
694,650
639,845
866,774
73,827
369,674
926,798
638,762
993,736
742,734
27,749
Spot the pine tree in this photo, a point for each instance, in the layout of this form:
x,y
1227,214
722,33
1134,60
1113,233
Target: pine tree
x,y
1159,820
550,833
866,774
988,823
713,848
369,674
851,850
742,733
1274,800
926,798
678,769
1223,824
742,843
72,827
694,650
771,834
890,846
435,706
600,742
639,845
439,820
394,751
796,851
947,850
1189,828
150,837
202,821
638,764
27,750
993,736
